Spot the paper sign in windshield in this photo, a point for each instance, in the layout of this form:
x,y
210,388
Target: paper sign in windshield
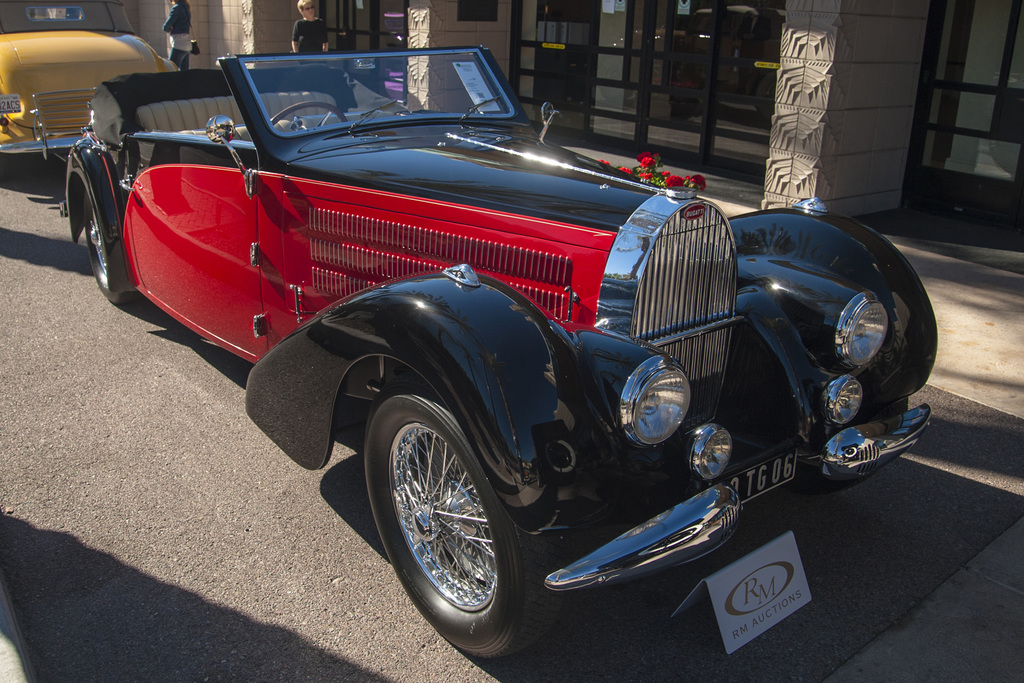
x,y
476,86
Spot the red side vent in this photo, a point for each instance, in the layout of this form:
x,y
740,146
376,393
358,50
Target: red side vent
x,y
351,252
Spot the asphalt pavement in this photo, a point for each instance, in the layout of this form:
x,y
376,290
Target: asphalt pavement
x,y
953,609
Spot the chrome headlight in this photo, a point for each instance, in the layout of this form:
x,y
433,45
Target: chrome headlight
x,y
843,397
710,451
861,330
654,401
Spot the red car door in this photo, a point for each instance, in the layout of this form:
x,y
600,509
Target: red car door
x,y
190,230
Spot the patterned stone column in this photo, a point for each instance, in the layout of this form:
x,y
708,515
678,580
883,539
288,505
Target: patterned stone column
x,y
845,103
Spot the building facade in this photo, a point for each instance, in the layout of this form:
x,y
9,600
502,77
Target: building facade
x,y
867,104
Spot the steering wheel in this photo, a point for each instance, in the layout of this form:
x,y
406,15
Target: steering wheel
x,y
308,104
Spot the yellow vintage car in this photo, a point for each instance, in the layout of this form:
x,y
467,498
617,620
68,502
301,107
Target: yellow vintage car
x,y
52,57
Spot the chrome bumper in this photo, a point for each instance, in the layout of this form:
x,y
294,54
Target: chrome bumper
x,y
680,534
56,144
858,451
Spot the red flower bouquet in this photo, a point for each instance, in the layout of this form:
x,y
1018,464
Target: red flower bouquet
x,y
646,171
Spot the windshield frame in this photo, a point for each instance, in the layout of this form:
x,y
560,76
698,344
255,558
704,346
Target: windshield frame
x,y
496,94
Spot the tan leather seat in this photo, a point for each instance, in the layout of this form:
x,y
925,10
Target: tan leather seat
x,y
181,115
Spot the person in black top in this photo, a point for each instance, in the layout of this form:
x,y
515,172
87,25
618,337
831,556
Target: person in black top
x,y
309,33
179,25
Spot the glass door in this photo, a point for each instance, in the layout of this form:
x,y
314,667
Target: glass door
x,y
965,150
691,77
365,24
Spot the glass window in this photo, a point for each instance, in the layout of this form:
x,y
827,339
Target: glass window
x,y
676,139
962,109
749,151
612,25
678,108
683,26
615,99
615,128
690,75
976,156
752,32
972,41
1017,65
526,86
610,67
526,57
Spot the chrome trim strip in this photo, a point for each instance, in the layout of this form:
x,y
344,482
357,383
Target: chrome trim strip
x,y
697,331
187,138
674,193
682,533
858,451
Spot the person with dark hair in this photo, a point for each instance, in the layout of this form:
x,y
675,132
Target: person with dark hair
x,y
179,26
309,33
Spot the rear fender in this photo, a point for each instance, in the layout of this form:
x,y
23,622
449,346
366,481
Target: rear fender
x,y
519,385
92,172
96,173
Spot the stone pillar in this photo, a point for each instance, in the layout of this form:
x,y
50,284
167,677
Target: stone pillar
x,y
845,103
434,23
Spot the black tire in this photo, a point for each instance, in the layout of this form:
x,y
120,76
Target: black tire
x,y
486,604
107,260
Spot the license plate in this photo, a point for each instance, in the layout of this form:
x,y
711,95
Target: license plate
x,y
10,104
764,477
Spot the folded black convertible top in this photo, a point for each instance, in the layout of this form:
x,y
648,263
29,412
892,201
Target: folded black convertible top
x,y
116,101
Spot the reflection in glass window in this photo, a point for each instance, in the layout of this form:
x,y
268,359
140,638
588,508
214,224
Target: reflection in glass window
x,y
976,59
976,156
54,13
962,109
1017,65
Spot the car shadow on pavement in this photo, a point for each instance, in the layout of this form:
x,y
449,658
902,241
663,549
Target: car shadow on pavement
x,y
87,616
63,255
228,364
343,487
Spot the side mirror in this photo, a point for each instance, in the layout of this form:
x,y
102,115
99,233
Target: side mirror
x,y
220,128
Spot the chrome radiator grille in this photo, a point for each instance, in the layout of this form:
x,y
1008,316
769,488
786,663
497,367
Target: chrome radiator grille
x,y
685,297
671,281
689,280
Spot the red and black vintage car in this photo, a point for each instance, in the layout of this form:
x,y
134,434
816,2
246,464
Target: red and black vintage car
x,y
536,342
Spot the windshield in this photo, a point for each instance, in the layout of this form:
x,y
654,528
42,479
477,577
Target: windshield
x,y
362,91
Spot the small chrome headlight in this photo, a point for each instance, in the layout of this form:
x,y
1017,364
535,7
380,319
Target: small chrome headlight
x,y
654,401
710,451
860,330
843,398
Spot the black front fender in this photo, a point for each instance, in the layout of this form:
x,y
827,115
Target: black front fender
x,y
522,388
796,273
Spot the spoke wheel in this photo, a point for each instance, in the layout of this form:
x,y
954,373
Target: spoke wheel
x,y
473,575
441,516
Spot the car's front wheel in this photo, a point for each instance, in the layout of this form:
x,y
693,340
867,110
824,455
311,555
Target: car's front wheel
x,y
476,578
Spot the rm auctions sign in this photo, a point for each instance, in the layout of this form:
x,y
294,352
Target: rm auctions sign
x,y
756,592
